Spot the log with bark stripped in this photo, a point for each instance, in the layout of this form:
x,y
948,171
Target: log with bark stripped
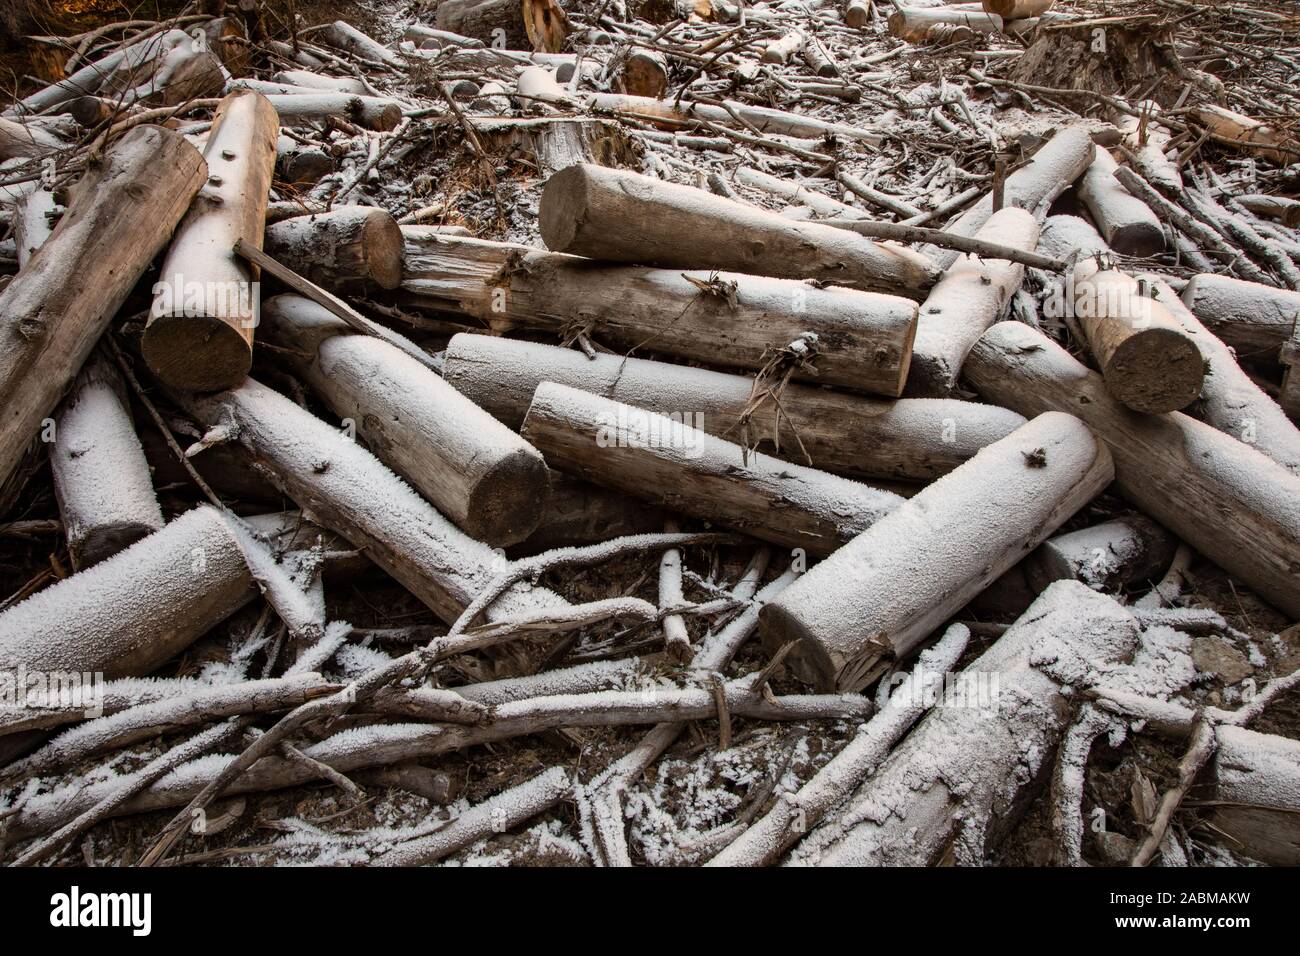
x,y
1253,318
350,249
1127,223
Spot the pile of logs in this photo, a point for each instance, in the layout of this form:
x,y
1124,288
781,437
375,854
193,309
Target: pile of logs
x,y
497,379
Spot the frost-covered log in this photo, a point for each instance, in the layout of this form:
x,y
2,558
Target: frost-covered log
x,y
955,787
908,440
34,222
914,24
1063,236
319,81
1246,133
348,490
200,331
1149,142
1255,779
26,140
347,37
101,479
350,249
669,462
882,594
307,109
1018,9
1149,362
300,164
723,319
171,71
1129,225
54,311
134,611
1061,160
1253,318
473,469
1179,471
970,297
621,216
1125,552
1286,211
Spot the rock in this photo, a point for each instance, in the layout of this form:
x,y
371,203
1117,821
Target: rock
x,y
1213,655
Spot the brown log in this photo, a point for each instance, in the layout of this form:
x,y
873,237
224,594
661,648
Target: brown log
x,y
54,311
1231,503
350,249
522,24
200,331
905,440
1249,134
883,593
622,216
1147,359
310,108
644,73
914,24
167,73
1286,211
672,463
1254,319
473,469
1018,9
864,339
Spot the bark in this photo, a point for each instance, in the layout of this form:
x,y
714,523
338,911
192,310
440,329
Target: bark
x,y
171,72
1127,223
301,165
1256,777
671,463
914,24
1286,211
555,143
473,469
34,223
622,216
101,479
878,597
906,440
968,299
349,250
58,306
132,612
957,784
200,331
347,37
1254,319
1231,503
721,319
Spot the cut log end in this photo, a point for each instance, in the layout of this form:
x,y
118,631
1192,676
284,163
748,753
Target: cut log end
x,y
383,244
1155,371
507,504
196,353
562,208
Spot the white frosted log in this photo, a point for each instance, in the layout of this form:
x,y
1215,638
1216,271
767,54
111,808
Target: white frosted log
x,y
1149,142
200,331
348,490
864,338
1281,208
621,216
1230,502
1254,319
33,223
477,472
882,594
134,611
669,462
84,81
319,81
309,108
1257,778
1063,236
908,439
54,311
101,479
958,783
350,249
579,679
1125,552
1128,224
970,297
914,24
168,72
347,37
26,140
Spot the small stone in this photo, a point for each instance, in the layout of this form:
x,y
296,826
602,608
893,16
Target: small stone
x,y
1114,848
1213,655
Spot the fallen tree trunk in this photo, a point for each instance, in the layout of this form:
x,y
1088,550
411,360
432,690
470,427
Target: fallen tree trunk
x,y
1116,554
34,223
1177,470
318,81
200,331
644,73
1018,9
907,440
866,604
473,469
914,24
720,319
58,306
1255,788
1254,319
307,109
968,299
101,479
350,249
621,216
26,140
1127,223
347,37
516,24
955,787
1286,211
134,611
1248,134
670,462
1147,359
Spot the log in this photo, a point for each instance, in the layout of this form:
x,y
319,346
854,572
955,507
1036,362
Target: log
x,y
473,469
34,220
301,165
200,331
866,604
1255,780
857,13
101,479
1181,472
347,37
1254,319
781,49
57,307
644,73
670,462
228,39
1149,362
319,81
1251,135
956,786
622,216
1018,9
1127,223
968,299
864,339
348,490
1064,236
174,72
25,140
1061,160
1149,142
1125,552
1284,210
579,513
307,109
349,250
914,24
907,440
134,611
513,24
